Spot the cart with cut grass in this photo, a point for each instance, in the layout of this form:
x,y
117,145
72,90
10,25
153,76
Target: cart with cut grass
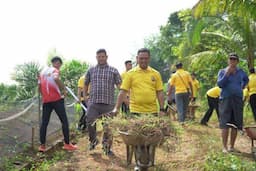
x,y
191,110
141,136
251,133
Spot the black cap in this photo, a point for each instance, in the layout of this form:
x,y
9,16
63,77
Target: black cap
x,y
178,65
233,56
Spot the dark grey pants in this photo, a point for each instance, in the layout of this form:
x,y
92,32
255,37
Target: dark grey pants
x,y
95,111
182,101
231,111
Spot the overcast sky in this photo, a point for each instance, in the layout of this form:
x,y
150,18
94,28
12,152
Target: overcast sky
x,y
77,28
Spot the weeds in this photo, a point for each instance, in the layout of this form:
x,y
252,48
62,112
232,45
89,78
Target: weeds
x,y
223,162
46,163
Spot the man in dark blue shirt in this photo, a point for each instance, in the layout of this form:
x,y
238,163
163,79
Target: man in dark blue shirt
x,y
231,80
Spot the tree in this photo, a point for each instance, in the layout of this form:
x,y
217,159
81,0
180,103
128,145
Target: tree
x,y
156,61
26,75
71,71
239,15
166,47
200,44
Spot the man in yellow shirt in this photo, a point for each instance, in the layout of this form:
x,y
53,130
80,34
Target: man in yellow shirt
x,y
213,95
252,91
171,104
195,86
125,104
182,82
145,86
80,87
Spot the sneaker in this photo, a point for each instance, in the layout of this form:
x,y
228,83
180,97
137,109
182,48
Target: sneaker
x,y
93,144
69,147
42,148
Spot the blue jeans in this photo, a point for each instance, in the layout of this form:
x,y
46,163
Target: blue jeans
x,y
182,101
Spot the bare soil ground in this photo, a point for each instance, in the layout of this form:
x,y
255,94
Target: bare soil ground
x,y
188,152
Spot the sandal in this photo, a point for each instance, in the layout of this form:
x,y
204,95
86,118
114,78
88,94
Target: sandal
x,y
233,150
225,151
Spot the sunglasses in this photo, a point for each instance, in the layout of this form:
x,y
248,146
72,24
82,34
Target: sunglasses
x,y
232,58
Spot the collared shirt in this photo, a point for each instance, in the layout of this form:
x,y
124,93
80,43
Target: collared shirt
x,y
102,80
48,87
143,86
233,84
252,84
180,79
214,92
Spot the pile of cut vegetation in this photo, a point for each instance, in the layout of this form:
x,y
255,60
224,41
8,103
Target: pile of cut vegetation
x,y
143,130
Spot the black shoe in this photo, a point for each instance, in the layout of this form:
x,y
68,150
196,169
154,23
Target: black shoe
x,y
93,144
204,123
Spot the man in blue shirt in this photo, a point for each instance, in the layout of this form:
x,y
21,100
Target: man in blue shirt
x,y
231,80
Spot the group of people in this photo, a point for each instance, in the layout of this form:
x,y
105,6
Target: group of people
x,y
141,93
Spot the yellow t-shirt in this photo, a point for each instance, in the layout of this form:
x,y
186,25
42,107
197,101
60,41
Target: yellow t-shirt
x,y
214,92
81,84
195,86
143,85
180,79
245,94
252,84
123,75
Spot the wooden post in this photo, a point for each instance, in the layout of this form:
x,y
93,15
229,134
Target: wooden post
x,y
32,137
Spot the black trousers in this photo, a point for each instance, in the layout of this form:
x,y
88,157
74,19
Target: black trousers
x,y
253,105
125,108
82,121
213,103
59,108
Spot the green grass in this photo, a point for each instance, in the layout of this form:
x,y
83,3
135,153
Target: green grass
x,y
46,163
227,162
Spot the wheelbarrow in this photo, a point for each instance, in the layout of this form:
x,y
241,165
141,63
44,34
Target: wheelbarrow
x,y
172,110
251,133
143,147
191,110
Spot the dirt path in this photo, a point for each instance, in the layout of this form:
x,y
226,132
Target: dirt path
x,y
185,153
